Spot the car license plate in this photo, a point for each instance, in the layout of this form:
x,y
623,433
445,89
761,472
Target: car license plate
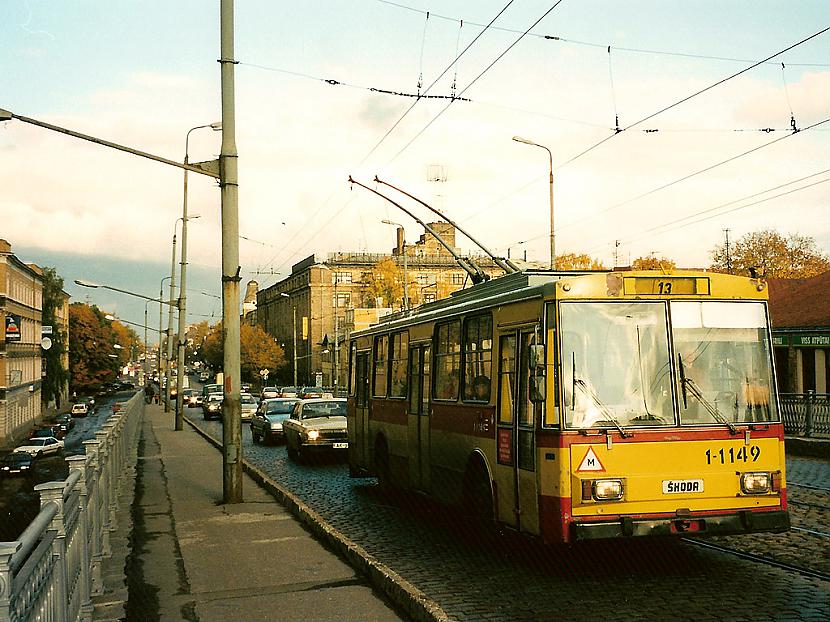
x,y
340,445
682,486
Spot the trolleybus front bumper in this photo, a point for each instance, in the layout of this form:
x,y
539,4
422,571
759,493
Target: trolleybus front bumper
x,y
718,525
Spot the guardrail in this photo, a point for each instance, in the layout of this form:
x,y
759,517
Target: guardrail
x,y
52,571
806,414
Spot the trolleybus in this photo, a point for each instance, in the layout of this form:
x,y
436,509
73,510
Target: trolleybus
x,y
579,405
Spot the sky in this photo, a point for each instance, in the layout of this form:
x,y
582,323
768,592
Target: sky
x,y
143,73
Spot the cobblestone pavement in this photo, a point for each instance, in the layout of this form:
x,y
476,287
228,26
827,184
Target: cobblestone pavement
x,y
510,577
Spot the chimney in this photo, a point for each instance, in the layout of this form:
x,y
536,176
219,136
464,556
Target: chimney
x,y
400,241
5,248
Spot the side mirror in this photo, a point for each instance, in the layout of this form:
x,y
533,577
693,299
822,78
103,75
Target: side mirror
x,y
536,356
537,388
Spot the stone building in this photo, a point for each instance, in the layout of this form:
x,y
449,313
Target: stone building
x,y
800,318
21,297
322,301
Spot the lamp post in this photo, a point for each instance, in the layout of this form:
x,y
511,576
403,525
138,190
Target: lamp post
x,y
519,139
293,331
169,357
183,283
403,249
161,368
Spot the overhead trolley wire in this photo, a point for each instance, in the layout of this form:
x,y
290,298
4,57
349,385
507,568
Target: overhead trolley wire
x,y
787,93
476,79
595,44
434,82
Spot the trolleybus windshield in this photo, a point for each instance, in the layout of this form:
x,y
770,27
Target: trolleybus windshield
x,y
616,364
723,358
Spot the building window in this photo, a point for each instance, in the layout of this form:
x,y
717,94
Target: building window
x,y
457,279
399,351
429,298
380,360
341,301
341,277
447,360
422,279
478,351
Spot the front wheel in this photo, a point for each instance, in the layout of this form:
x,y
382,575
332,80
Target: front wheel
x,y
293,454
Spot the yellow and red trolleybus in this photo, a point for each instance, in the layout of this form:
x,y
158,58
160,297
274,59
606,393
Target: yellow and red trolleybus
x,y
580,405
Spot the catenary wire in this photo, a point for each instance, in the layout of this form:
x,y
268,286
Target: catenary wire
x,y
595,44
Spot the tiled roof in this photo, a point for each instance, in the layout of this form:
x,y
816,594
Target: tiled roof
x,y
797,303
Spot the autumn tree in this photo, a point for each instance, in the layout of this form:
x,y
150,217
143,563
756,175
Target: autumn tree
x,y
195,337
772,255
383,285
578,261
257,350
56,377
90,363
128,339
650,262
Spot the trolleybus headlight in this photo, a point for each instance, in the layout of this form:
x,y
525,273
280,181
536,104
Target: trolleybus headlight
x,y
755,483
313,435
608,489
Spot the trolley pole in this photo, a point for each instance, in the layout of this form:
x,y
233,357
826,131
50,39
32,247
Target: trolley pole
x,y
228,180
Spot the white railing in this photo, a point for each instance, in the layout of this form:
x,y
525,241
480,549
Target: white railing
x,y
53,569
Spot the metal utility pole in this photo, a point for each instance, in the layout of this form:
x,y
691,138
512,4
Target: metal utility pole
x,y
525,141
160,366
168,371
728,258
229,181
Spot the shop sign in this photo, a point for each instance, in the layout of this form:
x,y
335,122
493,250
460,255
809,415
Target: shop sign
x,y
811,340
13,323
779,340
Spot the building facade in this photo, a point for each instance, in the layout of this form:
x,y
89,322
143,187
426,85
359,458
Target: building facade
x,y
21,305
800,317
322,301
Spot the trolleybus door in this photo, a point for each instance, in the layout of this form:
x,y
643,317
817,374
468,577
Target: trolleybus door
x,y
362,408
418,417
515,471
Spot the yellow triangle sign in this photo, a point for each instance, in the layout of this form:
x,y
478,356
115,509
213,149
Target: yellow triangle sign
x,y
590,462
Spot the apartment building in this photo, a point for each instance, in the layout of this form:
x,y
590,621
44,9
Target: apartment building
x,y
21,304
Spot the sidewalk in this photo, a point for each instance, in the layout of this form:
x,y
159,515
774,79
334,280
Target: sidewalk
x,y
196,559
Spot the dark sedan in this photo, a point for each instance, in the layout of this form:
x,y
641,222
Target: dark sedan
x,y
16,463
266,424
316,426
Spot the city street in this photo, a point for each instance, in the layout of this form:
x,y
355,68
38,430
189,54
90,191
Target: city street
x,y
19,503
510,577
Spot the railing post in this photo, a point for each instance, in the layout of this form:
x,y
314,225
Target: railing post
x,y
95,520
81,464
7,549
808,417
104,467
111,428
52,492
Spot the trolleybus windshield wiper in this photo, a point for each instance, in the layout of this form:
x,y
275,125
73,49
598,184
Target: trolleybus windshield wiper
x,y
579,382
686,382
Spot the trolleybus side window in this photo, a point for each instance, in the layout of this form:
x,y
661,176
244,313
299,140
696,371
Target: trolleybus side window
x,y
507,376
399,351
551,411
362,379
723,359
381,367
352,368
478,352
447,360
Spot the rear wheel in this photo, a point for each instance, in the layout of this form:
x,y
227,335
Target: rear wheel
x,y
478,494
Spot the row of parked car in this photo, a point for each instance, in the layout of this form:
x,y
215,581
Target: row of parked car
x,y
46,440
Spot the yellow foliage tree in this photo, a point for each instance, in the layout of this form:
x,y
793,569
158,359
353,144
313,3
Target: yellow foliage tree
x,y
772,255
384,283
578,261
652,263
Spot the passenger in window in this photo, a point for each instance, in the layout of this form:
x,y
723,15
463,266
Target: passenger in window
x,y
481,389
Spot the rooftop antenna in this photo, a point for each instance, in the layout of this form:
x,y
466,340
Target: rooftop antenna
x,y
505,264
477,275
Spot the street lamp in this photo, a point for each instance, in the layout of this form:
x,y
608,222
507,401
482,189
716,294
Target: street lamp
x,y
183,283
161,332
403,249
294,332
519,139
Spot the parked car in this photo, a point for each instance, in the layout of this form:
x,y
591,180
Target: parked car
x,y
212,406
268,393
80,410
189,397
289,392
41,446
266,424
89,401
47,431
211,388
316,426
205,375
306,393
16,463
249,406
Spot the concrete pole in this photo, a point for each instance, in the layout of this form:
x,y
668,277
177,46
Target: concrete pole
x,y
160,366
336,359
228,180
405,279
552,233
180,350
146,353
168,371
294,324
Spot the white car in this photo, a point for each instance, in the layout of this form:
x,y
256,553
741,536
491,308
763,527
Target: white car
x,y
248,406
80,410
41,446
